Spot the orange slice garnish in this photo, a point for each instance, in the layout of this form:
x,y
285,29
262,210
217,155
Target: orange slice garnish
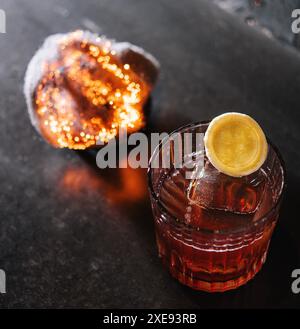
x,y
235,144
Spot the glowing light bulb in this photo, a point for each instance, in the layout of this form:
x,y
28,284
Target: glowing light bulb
x,y
80,88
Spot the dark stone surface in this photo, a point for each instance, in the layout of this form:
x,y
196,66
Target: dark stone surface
x,y
75,236
271,17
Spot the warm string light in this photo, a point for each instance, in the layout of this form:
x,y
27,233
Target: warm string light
x,y
86,94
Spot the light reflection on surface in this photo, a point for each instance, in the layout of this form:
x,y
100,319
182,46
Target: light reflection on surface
x,y
116,185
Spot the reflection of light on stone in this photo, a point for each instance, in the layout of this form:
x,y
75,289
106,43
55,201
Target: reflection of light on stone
x,y
130,186
86,93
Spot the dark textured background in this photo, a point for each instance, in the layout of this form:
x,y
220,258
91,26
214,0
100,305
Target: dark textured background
x,y
271,17
75,236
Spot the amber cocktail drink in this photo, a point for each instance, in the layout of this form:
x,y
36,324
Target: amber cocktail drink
x,y
213,232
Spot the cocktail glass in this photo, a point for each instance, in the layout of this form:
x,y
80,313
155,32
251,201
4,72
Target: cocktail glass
x,y
213,231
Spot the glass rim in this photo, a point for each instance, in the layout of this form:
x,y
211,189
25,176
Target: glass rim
x,y
176,221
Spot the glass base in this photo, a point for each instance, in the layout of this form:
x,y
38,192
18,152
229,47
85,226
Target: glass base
x,y
216,286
